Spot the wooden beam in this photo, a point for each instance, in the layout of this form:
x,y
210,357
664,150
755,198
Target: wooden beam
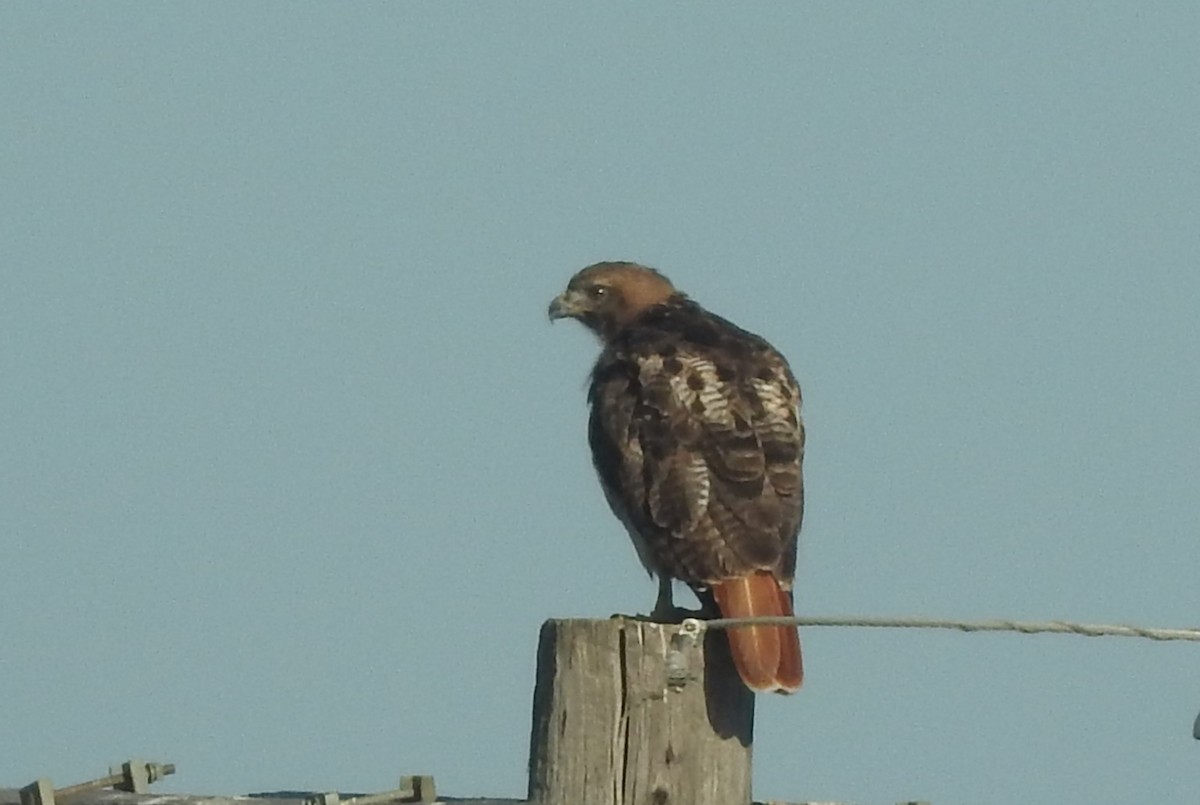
x,y
12,796
627,712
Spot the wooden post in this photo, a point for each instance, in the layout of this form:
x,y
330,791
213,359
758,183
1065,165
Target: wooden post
x,y
631,713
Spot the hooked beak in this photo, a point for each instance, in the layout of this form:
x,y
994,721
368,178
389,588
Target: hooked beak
x,y
565,306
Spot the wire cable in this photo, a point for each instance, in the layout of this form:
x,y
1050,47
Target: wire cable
x,y
695,627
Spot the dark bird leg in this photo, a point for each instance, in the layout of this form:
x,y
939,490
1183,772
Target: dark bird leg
x,y
665,610
708,604
664,603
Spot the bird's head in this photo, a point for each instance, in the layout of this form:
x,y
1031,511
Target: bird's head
x,y
607,296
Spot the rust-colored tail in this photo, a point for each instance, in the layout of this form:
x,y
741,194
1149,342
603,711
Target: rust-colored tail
x,y
767,657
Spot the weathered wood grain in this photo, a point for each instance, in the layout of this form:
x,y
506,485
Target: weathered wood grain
x,y
628,713
12,796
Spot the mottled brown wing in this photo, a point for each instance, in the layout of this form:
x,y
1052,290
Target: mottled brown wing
x,y
701,445
780,431
617,453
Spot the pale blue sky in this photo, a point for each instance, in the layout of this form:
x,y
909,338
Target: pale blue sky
x,y
293,466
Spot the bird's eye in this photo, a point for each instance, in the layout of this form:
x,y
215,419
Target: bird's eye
x,y
597,292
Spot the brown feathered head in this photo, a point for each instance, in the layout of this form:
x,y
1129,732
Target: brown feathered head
x,y
607,296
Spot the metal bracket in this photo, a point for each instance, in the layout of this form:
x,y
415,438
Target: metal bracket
x,y
413,788
693,629
682,660
134,776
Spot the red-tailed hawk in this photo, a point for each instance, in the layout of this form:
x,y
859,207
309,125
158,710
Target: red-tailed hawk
x,y
696,436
